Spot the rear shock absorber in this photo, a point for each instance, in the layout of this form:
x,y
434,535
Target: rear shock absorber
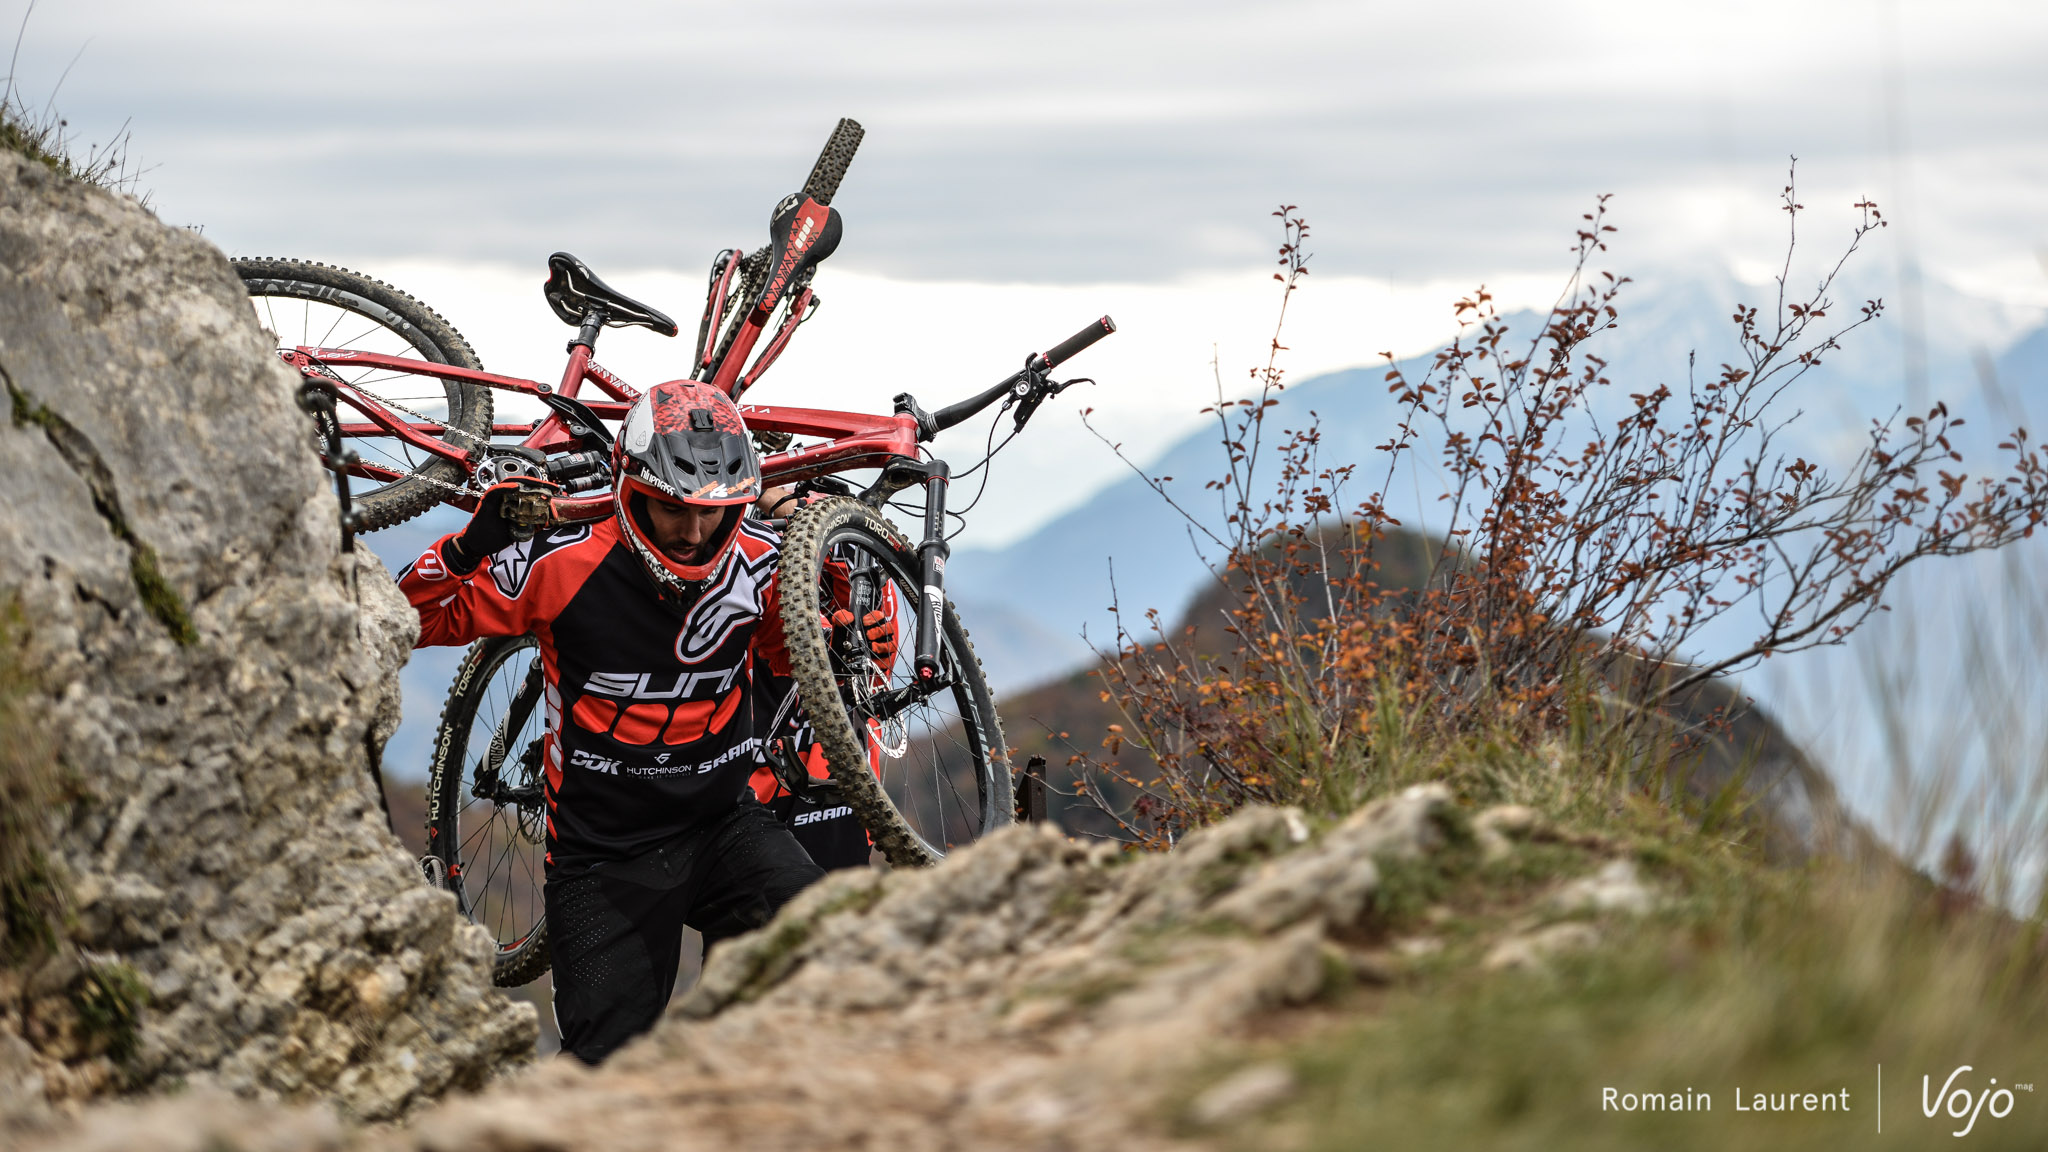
x,y
580,471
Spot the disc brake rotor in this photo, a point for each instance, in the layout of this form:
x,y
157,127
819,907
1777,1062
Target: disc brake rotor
x,y
891,735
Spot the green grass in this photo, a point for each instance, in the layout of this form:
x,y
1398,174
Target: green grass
x,y
1807,991
45,138
1750,977
36,140
109,999
32,899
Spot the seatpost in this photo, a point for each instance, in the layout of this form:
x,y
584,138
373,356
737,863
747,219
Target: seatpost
x,y
586,335
931,556
579,349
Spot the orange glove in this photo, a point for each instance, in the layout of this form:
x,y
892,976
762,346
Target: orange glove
x,y
881,630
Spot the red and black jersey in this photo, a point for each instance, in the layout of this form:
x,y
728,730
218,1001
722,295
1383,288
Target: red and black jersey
x,y
650,707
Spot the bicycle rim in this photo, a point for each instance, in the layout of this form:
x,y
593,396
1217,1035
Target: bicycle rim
x,y
311,305
487,814
940,762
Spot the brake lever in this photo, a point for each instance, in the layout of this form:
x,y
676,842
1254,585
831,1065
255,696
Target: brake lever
x,y
1029,392
1041,390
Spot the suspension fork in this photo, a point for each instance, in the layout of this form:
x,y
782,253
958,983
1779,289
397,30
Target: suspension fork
x,y
932,552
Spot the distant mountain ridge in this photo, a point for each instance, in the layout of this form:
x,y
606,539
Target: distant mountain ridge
x,y
1028,603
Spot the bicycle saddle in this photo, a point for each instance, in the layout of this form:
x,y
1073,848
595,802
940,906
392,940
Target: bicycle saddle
x,y
573,290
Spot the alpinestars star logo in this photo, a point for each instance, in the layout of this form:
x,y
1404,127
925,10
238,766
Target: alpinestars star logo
x,y
511,567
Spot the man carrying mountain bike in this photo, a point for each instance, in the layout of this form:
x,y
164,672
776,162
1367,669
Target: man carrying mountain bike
x,y
661,638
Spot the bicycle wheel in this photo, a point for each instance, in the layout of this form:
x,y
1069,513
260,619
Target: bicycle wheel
x,y
925,769
486,815
315,305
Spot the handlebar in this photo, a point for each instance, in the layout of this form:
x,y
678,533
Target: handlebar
x,y
1066,349
1028,386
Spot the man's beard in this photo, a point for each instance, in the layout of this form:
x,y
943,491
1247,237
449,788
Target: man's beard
x,y
691,557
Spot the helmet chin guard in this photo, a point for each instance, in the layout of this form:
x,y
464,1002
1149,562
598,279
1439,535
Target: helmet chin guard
x,y
684,443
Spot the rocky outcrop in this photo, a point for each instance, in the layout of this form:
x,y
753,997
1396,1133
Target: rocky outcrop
x,y
215,679
1030,992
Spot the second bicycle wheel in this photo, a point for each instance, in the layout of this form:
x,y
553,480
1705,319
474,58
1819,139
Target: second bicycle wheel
x,y
924,768
313,305
486,815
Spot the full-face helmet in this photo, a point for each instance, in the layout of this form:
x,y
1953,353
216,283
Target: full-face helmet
x,y
683,442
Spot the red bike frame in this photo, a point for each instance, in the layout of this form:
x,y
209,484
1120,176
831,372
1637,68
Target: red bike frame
x,y
855,440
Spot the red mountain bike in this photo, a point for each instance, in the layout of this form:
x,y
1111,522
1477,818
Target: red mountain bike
x,y
913,742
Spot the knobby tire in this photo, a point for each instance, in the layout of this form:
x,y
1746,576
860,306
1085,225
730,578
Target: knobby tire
x,y
944,756
490,856
383,315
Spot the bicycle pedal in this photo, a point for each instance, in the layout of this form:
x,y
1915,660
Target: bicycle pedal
x,y
528,512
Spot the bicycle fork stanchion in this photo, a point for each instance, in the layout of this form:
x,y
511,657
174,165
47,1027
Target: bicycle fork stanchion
x,y
317,397
931,557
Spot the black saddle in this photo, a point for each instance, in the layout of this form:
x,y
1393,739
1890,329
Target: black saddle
x,y
573,290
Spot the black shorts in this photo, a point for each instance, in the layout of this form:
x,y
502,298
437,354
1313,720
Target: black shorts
x,y
616,929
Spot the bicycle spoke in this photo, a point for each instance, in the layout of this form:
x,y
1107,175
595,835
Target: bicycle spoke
x,y
315,306
512,870
355,341
332,324
936,755
502,864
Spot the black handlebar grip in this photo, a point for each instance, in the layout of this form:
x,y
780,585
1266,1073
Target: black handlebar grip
x,y
832,162
1065,349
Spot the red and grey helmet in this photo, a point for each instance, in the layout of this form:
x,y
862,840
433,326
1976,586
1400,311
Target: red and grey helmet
x,y
684,442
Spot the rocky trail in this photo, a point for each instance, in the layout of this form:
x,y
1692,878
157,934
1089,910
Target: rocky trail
x,y
1029,993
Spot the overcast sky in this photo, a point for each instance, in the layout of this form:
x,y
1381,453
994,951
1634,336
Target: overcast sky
x,y
1064,142
1029,166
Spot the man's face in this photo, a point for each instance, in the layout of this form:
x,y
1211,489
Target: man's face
x,y
682,532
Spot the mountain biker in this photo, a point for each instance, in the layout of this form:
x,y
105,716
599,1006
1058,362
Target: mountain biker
x,y
659,635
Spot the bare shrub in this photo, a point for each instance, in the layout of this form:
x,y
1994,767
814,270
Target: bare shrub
x,y
1589,532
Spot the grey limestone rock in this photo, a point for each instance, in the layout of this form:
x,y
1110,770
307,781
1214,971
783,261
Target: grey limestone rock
x,y
216,678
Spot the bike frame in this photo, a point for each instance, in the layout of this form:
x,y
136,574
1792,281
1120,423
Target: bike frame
x,y
854,439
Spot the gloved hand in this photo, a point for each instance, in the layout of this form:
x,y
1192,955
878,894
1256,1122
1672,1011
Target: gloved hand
x,y
489,532
880,626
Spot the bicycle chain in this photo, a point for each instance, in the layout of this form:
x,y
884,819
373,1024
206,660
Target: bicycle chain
x,y
447,430
443,425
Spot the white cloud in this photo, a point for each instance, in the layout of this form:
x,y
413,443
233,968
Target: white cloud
x,y
1061,143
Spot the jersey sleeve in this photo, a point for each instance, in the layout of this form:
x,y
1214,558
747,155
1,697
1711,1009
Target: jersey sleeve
x,y
458,609
771,647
